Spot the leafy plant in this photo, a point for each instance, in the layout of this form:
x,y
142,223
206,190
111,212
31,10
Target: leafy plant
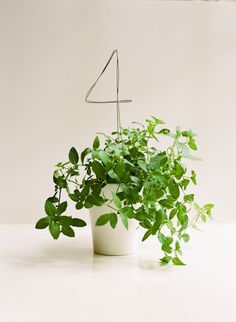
x,y
152,184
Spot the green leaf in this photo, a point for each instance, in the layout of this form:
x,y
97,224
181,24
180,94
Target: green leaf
x,y
113,175
189,198
165,260
104,157
124,219
174,190
134,152
166,203
102,220
184,223
65,220
62,208
72,172
50,209
172,213
135,180
74,197
97,200
147,234
193,177
79,205
196,207
158,193
113,220
207,208
161,238
96,143
98,169
178,170
54,229
120,169
42,223
177,261
161,178
185,152
157,223
182,216
164,131
53,199
165,241
171,227
168,240
68,189
68,231
157,161
192,144
84,154
77,222
185,237
94,200
157,121
60,181
116,200
188,134
167,248
184,183
177,246
203,217
151,128
127,211
142,165
56,174
84,193
145,224
95,154
73,156
96,189
88,203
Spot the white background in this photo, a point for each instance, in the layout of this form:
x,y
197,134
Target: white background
x,y
178,62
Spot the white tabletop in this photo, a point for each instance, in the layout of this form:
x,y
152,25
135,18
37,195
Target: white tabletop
x,y
42,280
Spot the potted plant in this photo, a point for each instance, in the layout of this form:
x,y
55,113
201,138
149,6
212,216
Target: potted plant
x,y
130,180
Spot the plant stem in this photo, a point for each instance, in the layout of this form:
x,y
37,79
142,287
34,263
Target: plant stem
x,y
116,210
59,197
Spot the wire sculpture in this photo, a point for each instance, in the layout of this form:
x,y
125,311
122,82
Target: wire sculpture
x,y
117,101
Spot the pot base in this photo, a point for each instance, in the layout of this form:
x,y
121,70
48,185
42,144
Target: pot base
x,y
102,253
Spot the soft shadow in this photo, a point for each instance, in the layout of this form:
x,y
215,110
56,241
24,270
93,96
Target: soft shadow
x,y
153,265
105,260
53,256
66,254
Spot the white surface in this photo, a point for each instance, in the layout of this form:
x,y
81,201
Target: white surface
x,y
42,280
177,61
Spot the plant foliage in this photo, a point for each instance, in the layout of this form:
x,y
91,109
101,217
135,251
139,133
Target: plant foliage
x,y
152,181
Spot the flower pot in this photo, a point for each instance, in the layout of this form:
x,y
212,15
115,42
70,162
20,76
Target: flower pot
x,y
109,241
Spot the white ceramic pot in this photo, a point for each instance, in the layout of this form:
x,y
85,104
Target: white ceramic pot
x,y
109,241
